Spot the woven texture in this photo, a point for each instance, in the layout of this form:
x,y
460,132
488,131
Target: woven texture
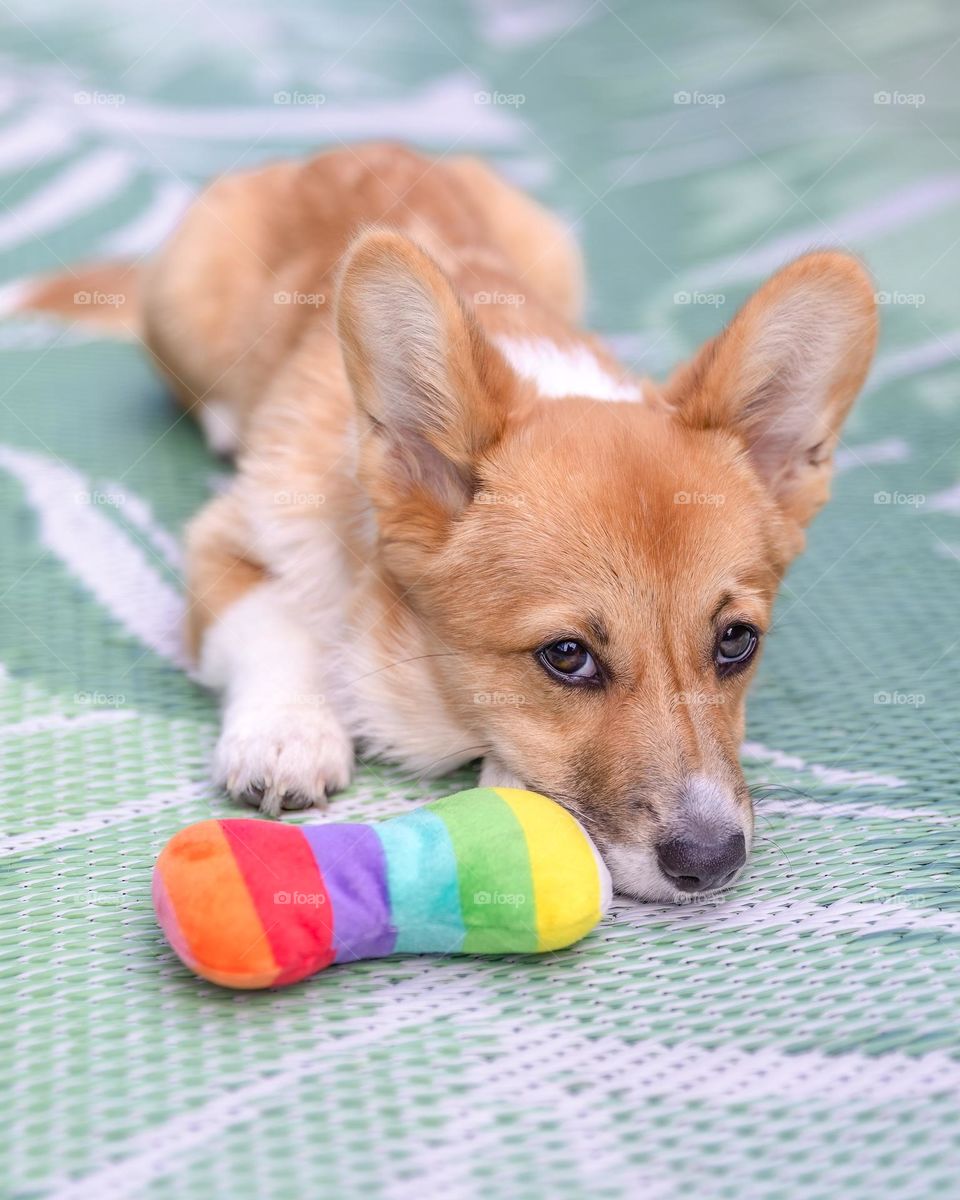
x,y
799,1037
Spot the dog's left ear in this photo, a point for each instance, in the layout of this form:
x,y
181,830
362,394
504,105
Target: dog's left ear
x,y
784,373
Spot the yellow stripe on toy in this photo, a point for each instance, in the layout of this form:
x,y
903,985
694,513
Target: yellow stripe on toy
x,y
559,852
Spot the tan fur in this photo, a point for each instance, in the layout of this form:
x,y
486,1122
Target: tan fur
x,y
412,520
220,571
102,294
539,245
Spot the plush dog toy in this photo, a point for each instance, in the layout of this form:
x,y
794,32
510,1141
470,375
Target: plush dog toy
x,y
255,904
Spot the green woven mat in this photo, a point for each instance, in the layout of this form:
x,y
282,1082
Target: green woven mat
x,y
798,1038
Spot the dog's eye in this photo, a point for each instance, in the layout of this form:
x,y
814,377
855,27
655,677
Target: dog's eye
x,y
570,661
736,646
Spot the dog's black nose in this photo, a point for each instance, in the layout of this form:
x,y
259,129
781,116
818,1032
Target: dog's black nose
x,y
696,864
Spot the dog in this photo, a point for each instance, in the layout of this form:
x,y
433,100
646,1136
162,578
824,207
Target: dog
x,y
458,529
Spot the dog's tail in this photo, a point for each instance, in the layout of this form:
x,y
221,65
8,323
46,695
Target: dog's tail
x,y
104,294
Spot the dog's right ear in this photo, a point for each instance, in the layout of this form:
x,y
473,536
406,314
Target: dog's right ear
x,y
430,388
783,375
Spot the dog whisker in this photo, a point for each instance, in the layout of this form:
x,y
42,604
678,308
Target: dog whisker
x,y
777,847
572,807
775,790
480,747
402,662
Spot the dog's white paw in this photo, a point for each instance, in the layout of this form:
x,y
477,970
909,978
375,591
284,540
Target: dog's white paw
x,y
283,758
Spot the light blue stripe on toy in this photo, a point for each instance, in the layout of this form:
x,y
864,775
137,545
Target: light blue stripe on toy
x,y
422,883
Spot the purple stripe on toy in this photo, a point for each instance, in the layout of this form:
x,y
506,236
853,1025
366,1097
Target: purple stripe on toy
x,y
350,858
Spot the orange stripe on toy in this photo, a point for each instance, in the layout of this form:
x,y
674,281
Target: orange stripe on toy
x,y
213,913
167,916
288,893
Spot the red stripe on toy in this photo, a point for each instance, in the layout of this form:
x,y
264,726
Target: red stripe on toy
x,y
288,892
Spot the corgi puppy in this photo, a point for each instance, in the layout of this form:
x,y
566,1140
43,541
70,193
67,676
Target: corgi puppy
x,y
458,529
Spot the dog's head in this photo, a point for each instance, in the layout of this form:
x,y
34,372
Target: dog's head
x,y
599,576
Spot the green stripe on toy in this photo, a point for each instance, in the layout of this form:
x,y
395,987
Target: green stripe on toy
x,y
497,897
252,904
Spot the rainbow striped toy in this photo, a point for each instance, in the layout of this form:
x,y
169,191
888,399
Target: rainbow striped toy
x,y
256,904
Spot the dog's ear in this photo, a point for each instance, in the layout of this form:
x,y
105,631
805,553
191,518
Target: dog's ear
x,y
784,373
429,387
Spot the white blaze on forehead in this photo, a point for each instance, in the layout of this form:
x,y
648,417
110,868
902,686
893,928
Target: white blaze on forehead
x,y
565,370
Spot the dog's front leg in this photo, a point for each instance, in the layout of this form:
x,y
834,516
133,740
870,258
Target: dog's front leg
x,y
281,746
